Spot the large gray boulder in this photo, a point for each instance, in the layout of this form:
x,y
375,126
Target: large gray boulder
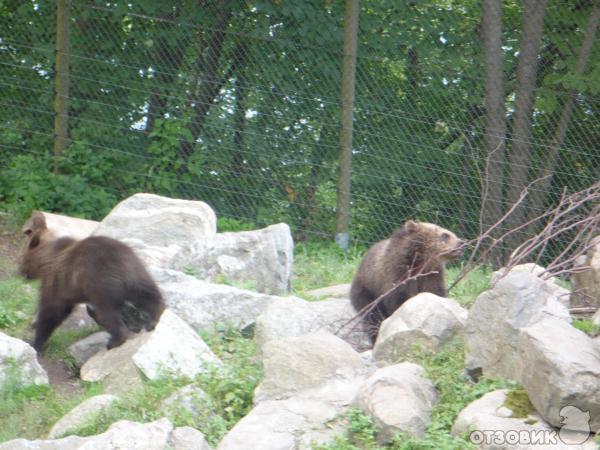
x,y
306,362
172,348
19,359
399,398
309,381
260,258
157,435
291,316
495,319
203,304
586,284
81,414
426,320
559,367
491,426
158,228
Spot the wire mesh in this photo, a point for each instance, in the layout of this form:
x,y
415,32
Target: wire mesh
x,y
237,104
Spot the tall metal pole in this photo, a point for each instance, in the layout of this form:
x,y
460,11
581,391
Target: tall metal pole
x,y
348,84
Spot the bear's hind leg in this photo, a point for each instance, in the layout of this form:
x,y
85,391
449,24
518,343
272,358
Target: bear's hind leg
x,y
110,319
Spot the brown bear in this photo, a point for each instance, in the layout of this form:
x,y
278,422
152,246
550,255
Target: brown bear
x,y
99,271
415,248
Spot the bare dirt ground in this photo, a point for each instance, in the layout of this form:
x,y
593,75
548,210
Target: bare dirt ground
x,y
11,242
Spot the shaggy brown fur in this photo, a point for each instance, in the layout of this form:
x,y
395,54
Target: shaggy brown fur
x,y
417,247
99,271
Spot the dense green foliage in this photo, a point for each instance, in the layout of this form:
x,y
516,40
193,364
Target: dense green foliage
x,y
237,103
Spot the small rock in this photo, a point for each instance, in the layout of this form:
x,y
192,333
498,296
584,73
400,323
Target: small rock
x,y
87,347
18,357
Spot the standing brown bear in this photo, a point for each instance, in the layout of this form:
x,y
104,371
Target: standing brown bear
x,y
415,248
99,271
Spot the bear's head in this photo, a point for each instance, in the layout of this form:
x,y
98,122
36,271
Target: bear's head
x,y
34,254
434,240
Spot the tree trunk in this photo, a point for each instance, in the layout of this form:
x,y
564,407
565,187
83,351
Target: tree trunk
x,y
210,83
538,197
61,99
495,119
520,154
238,167
169,60
348,83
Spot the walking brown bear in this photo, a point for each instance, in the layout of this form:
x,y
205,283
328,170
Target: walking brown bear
x,y
416,247
99,271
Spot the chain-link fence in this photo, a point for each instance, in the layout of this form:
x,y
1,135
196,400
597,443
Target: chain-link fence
x,y
237,103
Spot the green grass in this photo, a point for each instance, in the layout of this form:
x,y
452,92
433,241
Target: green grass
x,y
17,307
467,290
587,326
318,265
29,411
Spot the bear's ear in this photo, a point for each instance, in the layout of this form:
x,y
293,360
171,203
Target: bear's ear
x,y
411,226
36,222
34,241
